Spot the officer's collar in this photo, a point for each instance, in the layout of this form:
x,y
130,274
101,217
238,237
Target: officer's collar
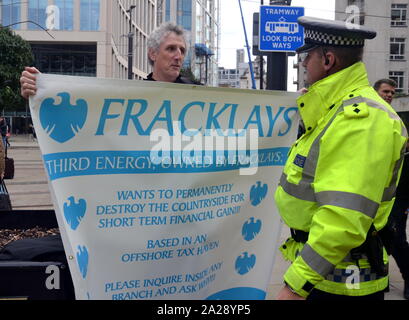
x,y
326,94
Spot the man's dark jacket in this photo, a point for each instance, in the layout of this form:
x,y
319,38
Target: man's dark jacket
x,y
179,79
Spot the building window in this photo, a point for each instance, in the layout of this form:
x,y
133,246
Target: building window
x,y
75,60
209,5
184,14
37,13
397,49
167,18
398,15
66,8
89,15
199,23
398,76
10,13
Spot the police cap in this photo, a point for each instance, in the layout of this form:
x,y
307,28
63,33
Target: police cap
x,y
322,32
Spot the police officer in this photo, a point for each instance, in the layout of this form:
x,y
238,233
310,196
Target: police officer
x,y
338,185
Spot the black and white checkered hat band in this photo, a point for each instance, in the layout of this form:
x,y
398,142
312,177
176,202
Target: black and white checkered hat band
x,y
318,37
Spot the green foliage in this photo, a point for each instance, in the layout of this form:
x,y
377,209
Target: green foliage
x,y
15,54
187,72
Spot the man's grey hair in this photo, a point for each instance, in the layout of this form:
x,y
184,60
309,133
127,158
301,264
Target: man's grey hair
x,y
159,34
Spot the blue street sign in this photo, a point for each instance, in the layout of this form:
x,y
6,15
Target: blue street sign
x,y
279,30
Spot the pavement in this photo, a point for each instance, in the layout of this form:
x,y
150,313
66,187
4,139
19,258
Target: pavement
x,y
29,188
29,191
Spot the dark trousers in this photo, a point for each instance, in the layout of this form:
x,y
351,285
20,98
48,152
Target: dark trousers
x,y
400,246
318,295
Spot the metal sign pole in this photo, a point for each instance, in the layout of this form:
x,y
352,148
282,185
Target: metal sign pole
x,y
277,63
253,81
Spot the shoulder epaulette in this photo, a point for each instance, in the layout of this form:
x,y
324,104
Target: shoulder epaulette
x,y
355,107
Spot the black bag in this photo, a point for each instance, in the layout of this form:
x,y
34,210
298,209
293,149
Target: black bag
x,y
9,170
5,203
23,265
44,249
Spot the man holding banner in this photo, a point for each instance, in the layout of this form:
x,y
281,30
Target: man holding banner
x,y
166,53
339,182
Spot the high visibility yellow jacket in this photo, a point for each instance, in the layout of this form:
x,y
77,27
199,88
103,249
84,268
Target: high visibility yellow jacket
x,y
340,178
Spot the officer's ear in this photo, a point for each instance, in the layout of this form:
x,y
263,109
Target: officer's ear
x,y
329,59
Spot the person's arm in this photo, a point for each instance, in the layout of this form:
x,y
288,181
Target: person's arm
x,y
303,91
28,82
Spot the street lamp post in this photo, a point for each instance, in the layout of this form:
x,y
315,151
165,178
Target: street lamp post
x,y
206,65
253,81
130,44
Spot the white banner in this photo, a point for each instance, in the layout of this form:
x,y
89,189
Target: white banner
x,y
164,191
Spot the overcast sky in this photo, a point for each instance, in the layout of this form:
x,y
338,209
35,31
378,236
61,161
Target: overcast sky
x,y
232,34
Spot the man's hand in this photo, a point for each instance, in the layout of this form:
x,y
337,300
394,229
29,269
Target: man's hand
x,y
28,82
303,90
286,294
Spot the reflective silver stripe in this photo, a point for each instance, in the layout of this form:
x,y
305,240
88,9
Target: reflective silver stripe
x,y
377,105
302,191
373,104
348,200
348,102
404,132
390,191
317,263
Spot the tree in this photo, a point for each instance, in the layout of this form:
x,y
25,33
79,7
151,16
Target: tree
x,y
187,72
15,54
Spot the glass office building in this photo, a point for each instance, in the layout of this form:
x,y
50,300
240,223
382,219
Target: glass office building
x,y
89,37
89,15
10,14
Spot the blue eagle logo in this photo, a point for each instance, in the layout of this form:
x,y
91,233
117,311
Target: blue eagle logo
x,y
82,260
244,263
74,212
251,229
258,193
63,121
